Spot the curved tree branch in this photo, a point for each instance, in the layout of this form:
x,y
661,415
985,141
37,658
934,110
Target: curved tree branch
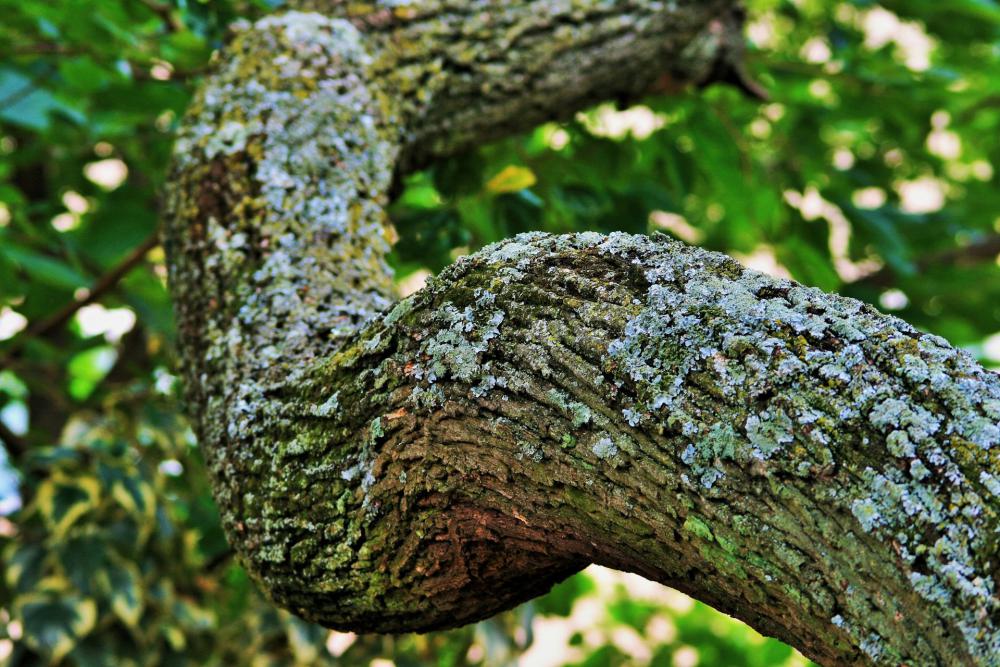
x,y
822,471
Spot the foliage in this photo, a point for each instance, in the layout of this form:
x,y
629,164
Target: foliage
x,y
870,172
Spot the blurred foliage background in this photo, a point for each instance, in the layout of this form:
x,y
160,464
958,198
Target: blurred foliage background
x,y
871,171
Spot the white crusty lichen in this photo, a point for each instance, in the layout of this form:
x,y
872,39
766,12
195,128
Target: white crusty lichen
x,y
322,149
453,349
605,448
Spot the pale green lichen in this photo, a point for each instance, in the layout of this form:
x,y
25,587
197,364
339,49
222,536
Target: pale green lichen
x,y
580,413
453,350
768,432
329,407
697,527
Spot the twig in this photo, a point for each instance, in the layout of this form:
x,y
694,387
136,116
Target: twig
x,y
102,286
218,560
166,14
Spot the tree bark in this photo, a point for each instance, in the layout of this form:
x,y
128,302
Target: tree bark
x,y
822,471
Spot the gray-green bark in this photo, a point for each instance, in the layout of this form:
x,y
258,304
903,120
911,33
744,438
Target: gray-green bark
x,y
817,469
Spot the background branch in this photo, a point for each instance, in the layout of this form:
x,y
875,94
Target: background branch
x,y
100,288
984,249
16,446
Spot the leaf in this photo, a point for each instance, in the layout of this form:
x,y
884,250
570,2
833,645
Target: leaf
x,y
517,212
511,179
427,236
126,593
25,566
83,74
186,49
23,102
82,557
192,617
460,175
136,496
44,269
10,285
54,624
559,601
881,227
808,264
124,220
62,500
175,637
147,296
88,368
305,639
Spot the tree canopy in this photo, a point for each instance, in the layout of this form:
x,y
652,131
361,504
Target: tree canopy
x,y
869,172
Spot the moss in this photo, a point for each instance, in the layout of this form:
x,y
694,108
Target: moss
x,y
699,528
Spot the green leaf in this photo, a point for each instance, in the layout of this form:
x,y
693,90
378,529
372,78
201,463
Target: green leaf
x,y
808,264
126,593
63,500
83,74
25,103
511,179
88,368
25,566
192,617
82,558
44,269
460,175
136,496
517,212
559,601
881,228
53,624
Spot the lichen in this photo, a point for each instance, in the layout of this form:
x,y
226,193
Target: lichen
x,y
605,448
453,349
768,431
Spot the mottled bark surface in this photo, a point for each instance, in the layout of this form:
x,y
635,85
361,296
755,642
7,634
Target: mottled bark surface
x,y
815,468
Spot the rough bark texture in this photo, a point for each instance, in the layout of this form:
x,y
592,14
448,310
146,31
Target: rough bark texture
x,y
817,469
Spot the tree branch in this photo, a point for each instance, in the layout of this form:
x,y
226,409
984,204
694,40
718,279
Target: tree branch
x,y
799,460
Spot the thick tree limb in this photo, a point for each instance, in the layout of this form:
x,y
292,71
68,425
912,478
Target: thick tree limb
x,y
820,470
